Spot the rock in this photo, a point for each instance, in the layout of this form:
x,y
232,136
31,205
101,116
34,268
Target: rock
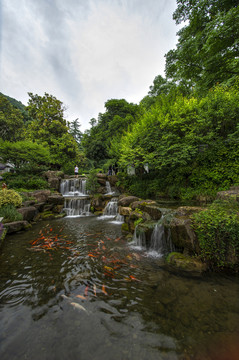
x,y
17,226
188,210
41,195
28,213
99,203
53,174
112,179
40,206
54,183
186,263
148,206
29,203
233,193
56,200
126,201
183,236
126,211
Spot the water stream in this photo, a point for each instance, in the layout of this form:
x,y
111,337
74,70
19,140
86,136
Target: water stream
x,y
74,289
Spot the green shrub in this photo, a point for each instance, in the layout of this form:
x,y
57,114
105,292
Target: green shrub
x,y
10,213
8,196
217,230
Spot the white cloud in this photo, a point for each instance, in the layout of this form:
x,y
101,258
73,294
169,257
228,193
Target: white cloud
x,y
84,52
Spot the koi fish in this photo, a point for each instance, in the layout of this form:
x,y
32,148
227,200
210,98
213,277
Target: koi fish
x,y
118,238
108,268
86,290
92,255
103,290
134,278
81,297
94,288
78,306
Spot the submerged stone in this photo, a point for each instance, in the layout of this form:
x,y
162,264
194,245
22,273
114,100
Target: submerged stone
x,y
186,263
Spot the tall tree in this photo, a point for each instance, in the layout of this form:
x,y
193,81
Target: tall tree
x,y
208,46
50,128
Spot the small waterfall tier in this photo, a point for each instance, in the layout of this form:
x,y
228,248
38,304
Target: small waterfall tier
x,y
108,188
77,207
73,187
160,241
111,211
111,208
139,239
156,240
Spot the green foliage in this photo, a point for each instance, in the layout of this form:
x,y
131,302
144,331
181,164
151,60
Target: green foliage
x,y
11,121
10,197
49,128
25,152
138,221
217,230
10,213
118,117
26,181
91,183
207,49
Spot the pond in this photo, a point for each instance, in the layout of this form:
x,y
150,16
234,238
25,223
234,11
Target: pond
x,y
74,288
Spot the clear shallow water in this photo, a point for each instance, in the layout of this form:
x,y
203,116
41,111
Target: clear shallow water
x,y
134,307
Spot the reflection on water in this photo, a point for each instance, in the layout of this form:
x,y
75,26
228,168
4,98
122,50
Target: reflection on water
x,y
74,289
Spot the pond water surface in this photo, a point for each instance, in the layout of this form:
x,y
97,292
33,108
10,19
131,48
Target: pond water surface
x,y
74,289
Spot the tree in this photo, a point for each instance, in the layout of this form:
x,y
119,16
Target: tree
x,y
11,121
49,127
119,115
24,152
74,127
207,51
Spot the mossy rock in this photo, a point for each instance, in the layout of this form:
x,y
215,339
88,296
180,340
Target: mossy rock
x,y
125,227
186,263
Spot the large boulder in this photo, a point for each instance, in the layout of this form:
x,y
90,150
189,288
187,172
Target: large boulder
x,y
148,206
125,211
28,213
127,200
41,195
182,235
56,200
17,226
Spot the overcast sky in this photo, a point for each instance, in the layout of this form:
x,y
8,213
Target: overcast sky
x,y
84,52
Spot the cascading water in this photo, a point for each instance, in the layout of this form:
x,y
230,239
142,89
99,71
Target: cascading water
x,y
139,239
77,207
76,201
73,187
108,188
111,208
111,211
160,241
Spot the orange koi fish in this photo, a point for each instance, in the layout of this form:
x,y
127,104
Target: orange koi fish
x,y
134,278
103,290
92,255
86,290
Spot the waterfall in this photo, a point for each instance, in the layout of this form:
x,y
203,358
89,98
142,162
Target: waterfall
x,y
111,211
77,207
160,241
108,188
139,239
111,208
73,187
